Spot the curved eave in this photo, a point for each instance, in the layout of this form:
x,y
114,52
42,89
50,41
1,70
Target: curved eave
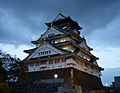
x,y
45,58
96,58
90,48
29,51
35,42
101,69
62,20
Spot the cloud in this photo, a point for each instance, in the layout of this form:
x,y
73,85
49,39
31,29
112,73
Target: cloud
x,y
13,30
108,35
13,50
108,57
27,18
105,41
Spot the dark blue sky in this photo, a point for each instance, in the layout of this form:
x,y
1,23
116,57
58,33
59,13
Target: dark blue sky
x,y
22,21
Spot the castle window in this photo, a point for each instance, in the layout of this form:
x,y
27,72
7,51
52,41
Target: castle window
x,y
51,35
38,53
59,66
49,52
56,42
50,61
88,59
84,57
44,53
64,27
63,40
65,47
57,60
72,51
63,60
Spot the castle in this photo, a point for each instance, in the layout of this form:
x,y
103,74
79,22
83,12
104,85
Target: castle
x,y
62,61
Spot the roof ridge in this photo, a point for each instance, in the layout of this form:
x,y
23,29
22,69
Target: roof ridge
x,y
59,14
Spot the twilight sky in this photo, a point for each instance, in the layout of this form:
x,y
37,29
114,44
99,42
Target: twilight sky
x,y
22,21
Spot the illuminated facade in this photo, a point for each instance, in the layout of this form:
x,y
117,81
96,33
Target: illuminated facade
x,y
63,52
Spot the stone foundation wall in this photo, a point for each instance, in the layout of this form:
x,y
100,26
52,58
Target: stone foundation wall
x,y
69,80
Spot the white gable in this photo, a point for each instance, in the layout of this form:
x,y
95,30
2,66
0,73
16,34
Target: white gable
x,y
44,50
52,31
83,45
59,17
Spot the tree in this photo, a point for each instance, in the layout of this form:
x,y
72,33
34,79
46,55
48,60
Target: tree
x,y
4,87
3,75
12,73
18,71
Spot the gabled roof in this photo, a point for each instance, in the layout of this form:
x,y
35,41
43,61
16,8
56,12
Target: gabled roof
x,y
35,51
30,50
59,17
55,29
62,19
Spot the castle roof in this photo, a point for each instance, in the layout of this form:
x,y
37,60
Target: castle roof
x,y
63,19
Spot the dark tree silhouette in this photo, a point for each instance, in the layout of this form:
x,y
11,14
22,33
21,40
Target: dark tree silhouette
x,y
3,74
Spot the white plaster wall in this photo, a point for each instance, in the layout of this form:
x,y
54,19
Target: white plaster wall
x,y
80,66
43,48
51,31
48,67
70,60
73,63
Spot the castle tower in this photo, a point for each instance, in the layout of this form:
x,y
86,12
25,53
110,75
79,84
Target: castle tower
x,y
63,60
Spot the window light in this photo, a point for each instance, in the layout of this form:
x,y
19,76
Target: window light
x,y
55,41
63,40
55,76
65,48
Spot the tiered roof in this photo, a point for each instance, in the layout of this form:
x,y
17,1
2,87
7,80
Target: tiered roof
x,y
76,39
